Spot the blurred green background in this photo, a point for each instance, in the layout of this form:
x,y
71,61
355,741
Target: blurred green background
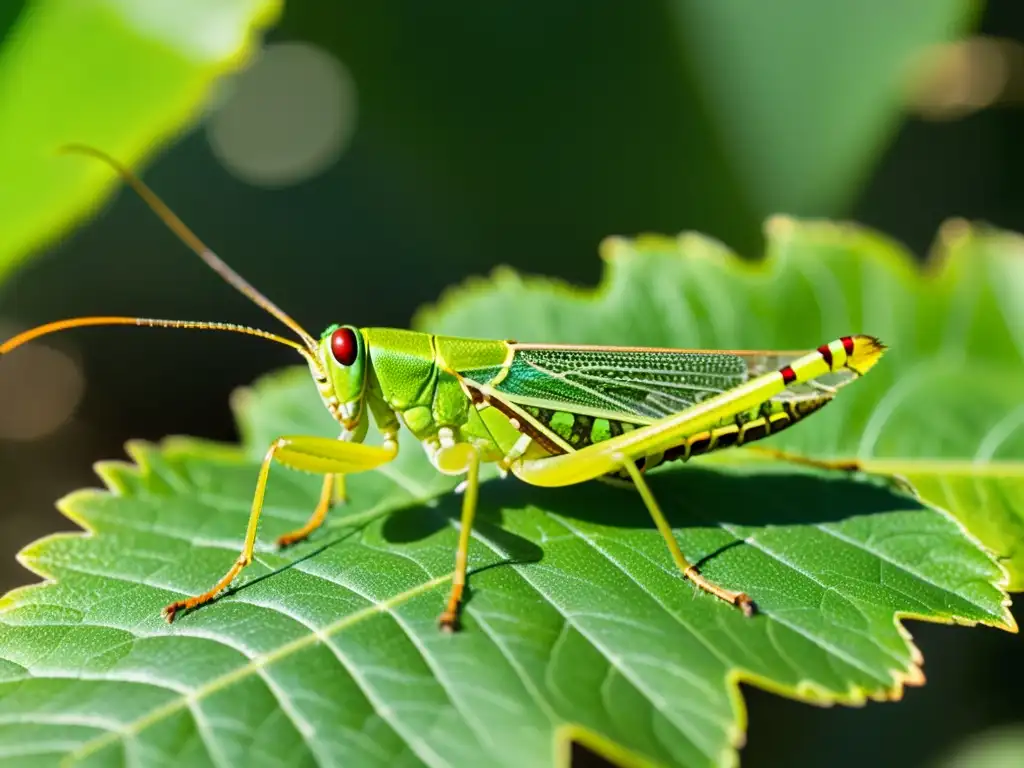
x,y
375,153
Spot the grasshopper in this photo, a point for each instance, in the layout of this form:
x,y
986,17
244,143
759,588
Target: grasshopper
x,y
550,414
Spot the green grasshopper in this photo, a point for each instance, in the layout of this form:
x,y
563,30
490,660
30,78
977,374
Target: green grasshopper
x,y
550,414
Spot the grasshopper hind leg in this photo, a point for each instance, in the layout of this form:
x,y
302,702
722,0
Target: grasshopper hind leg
x,y
896,483
739,599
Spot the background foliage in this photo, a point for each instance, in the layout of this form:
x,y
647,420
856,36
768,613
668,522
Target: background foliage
x,y
124,76
520,134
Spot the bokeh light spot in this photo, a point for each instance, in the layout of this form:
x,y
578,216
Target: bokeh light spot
x,y
40,388
953,80
287,118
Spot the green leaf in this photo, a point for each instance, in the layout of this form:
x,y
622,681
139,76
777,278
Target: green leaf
x,y
120,75
807,94
578,625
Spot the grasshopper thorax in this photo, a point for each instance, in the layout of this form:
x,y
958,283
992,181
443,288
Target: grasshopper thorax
x,y
340,372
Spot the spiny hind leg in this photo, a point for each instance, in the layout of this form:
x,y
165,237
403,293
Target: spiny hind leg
x,y
895,482
739,599
841,465
620,454
311,454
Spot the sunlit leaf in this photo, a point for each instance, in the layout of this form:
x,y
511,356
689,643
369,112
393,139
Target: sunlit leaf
x,y
578,625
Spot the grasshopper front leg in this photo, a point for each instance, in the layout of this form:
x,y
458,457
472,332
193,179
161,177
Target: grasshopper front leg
x,y
320,455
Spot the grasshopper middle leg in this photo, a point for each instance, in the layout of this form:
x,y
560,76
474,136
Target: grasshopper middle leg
x,y
449,620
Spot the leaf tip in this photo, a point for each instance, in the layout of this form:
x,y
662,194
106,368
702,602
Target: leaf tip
x,y
116,475
70,506
33,556
1007,622
914,675
954,233
612,247
779,226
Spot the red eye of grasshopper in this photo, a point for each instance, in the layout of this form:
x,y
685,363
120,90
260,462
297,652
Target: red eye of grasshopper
x,y
344,347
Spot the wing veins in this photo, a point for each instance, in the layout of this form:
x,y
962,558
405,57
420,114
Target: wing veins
x,y
654,392
617,405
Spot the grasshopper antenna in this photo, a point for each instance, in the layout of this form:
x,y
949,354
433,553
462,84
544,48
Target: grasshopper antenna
x,y
146,322
308,348
187,236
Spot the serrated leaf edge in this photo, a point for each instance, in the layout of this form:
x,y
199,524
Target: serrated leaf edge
x,y
112,472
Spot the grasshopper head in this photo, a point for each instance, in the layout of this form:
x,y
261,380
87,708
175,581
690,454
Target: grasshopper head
x,y
341,378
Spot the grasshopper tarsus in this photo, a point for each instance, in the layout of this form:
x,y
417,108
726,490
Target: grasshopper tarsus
x,y
745,604
283,542
170,611
448,622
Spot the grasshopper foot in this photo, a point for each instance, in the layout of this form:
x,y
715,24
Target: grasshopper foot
x,y
170,611
448,622
294,537
745,604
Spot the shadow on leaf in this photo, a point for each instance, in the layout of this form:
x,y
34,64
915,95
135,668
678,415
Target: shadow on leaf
x,y
694,496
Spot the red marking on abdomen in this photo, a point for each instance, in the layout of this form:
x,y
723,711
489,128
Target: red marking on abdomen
x,y
847,345
826,353
788,375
